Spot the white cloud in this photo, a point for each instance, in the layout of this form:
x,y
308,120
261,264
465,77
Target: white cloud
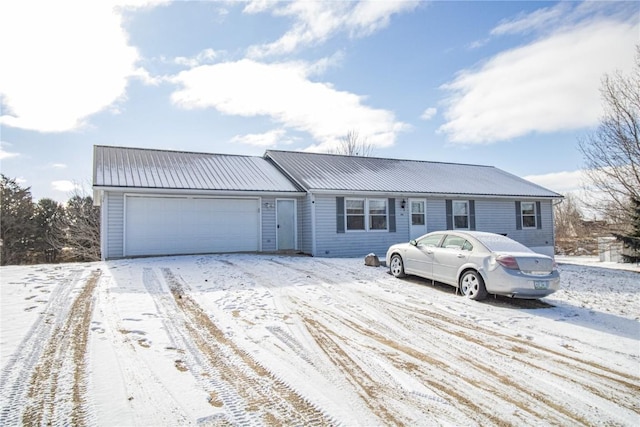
x,y
429,113
59,166
272,138
561,182
207,56
283,92
536,20
6,154
62,61
64,186
317,21
549,85
577,184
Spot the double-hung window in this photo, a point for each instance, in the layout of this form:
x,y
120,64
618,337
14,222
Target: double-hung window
x,y
461,214
355,214
366,214
528,212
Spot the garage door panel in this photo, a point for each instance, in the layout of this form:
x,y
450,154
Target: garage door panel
x,y
176,225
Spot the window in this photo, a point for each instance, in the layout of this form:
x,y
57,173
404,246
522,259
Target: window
x,y
417,213
366,214
461,214
528,212
431,240
355,214
377,214
453,242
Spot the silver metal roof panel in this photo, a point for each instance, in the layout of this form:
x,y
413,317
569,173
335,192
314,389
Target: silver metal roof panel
x,y
161,169
331,172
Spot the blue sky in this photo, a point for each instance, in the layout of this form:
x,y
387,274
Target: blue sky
x,y
509,84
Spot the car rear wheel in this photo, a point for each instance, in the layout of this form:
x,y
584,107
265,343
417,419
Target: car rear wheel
x,y
396,266
472,286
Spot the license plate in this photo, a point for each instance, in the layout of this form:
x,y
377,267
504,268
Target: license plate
x,y
540,284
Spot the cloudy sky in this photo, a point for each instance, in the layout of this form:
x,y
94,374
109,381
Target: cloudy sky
x,y
509,84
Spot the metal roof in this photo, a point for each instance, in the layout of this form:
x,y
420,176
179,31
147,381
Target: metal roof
x,y
161,169
332,172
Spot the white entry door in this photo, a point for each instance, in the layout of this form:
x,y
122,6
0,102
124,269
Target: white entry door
x,y
286,224
418,220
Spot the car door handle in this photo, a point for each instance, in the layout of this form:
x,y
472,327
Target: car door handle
x,y
460,255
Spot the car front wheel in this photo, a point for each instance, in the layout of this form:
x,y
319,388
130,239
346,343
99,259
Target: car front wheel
x,y
396,266
472,286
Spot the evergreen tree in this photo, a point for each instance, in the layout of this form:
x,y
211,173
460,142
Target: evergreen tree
x,y
47,213
631,240
16,222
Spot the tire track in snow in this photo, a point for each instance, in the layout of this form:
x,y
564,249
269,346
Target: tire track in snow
x,y
63,356
593,378
351,357
268,397
179,330
457,335
16,375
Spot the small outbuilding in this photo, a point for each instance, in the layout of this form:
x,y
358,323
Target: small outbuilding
x,y
158,202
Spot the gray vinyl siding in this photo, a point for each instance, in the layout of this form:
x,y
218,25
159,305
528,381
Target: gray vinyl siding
x,y
436,215
491,215
268,218
115,225
305,233
498,216
330,243
533,237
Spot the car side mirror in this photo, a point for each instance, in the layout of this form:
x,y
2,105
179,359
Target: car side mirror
x,y
413,243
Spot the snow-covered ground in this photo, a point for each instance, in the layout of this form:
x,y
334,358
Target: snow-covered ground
x,y
275,340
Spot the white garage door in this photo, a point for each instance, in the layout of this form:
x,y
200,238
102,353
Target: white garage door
x,y
180,225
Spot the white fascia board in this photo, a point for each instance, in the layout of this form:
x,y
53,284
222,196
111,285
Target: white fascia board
x,y
440,195
190,192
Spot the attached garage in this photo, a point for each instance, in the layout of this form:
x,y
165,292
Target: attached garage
x,y
190,225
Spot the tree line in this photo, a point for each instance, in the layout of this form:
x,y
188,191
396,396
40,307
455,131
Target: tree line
x,y
46,231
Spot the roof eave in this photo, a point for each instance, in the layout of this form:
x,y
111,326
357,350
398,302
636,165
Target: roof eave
x,y
325,191
199,192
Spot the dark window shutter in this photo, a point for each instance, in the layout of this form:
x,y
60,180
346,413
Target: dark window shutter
x,y
339,214
449,206
392,215
518,216
538,216
472,214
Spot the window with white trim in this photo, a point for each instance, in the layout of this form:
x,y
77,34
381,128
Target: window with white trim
x,y
355,214
528,212
367,214
377,214
461,214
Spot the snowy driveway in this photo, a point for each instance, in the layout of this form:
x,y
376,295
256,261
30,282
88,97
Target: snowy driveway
x,y
270,340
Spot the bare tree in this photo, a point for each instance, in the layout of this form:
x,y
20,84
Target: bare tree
x,y
352,144
568,218
612,151
77,232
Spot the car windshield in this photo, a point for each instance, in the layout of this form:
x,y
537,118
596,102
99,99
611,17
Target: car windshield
x,y
498,243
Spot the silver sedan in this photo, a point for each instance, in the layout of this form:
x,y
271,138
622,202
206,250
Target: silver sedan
x,y
477,263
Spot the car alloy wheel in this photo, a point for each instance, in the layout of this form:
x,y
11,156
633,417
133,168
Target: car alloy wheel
x,y
472,286
396,266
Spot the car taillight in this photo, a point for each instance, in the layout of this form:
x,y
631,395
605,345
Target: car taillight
x,y
508,262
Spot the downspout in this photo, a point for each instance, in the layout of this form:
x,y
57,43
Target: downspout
x,y
104,201
313,224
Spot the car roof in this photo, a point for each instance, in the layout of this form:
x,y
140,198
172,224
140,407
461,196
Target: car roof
x,y
492,241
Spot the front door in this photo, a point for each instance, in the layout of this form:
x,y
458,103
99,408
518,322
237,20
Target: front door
x,y
286,224
418,219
